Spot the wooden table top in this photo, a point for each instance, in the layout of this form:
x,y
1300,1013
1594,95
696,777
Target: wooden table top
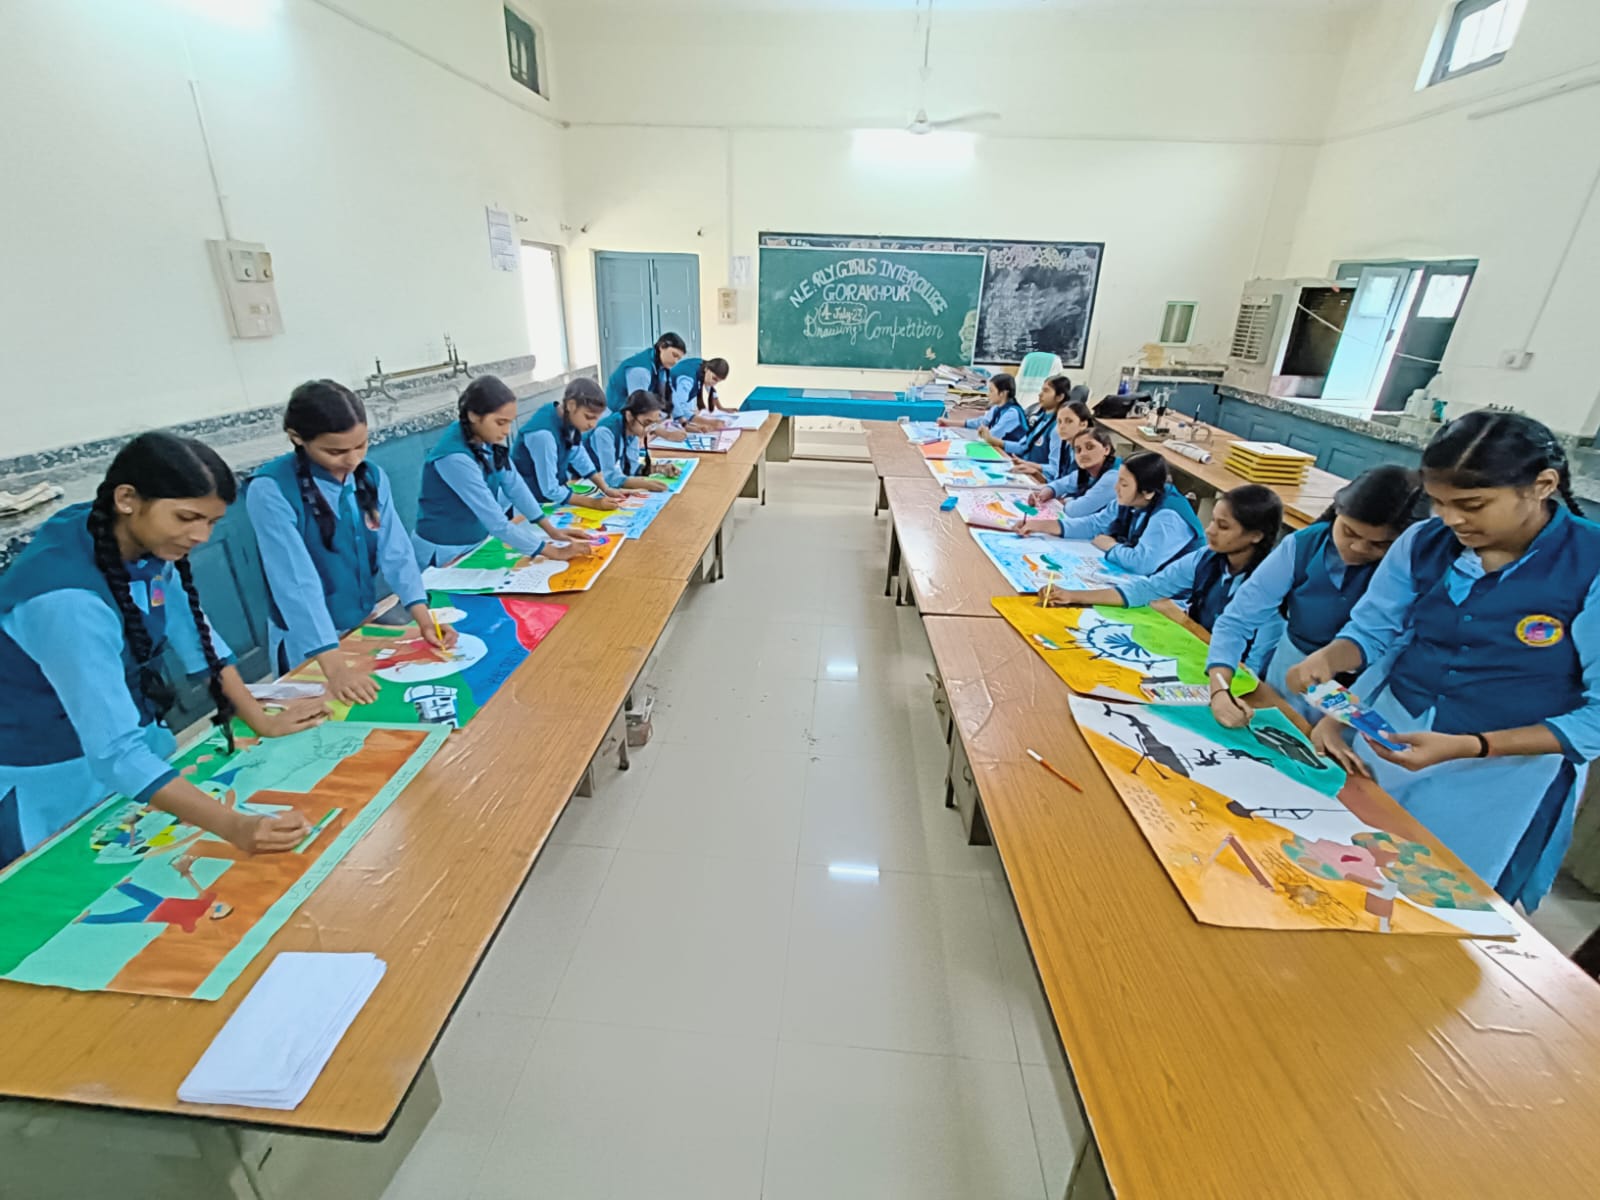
x,y
950,575
425,890
892,455
1234,1062
1301,505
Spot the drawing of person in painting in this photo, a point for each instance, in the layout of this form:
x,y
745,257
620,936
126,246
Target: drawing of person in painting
x,y
165,910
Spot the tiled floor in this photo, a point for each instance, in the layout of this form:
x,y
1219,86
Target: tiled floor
x,y
764,962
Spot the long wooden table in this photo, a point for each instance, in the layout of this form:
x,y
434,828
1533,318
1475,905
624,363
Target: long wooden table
x,y
1301,505
932,554
1232,1062
427,888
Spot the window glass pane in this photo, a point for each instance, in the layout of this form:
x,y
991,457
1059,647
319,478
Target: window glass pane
x,y
1442,297
541,294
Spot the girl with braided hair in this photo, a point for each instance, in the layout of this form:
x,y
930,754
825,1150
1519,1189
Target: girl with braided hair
x,y
619,446
692,398
330,538
1494,605
471,491
85,614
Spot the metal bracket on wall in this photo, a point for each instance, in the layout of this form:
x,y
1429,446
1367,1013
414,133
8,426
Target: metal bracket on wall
x,y
453,364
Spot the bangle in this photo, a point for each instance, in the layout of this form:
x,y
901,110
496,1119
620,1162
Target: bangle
x,y
1483,745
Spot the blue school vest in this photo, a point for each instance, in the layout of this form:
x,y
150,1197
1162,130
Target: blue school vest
x,y
617,382
547,419
1505,656
992,417
1129,524
1316,608
1036,439
34,726
1066,461
443,518
349,571
687,368
624,458
1210,593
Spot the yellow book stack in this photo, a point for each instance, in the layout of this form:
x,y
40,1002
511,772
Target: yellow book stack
x,y
1269,462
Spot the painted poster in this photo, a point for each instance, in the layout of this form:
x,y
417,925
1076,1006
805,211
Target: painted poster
x,y
741,418
1256,831
496,567
973,451
920,433
630,519
1029,562
702,443
129,900
420,685
659,463
1105,651
989,508
965,473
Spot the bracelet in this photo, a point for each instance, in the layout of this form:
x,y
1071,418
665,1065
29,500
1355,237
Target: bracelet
x,y
1483,746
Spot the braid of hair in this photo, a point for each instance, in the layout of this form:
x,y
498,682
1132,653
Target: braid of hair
x,y
223,718
1556,456
477,451
367,494
108,558
311,496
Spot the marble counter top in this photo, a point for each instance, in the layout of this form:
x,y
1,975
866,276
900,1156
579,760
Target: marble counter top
x,y
248,439
1372,429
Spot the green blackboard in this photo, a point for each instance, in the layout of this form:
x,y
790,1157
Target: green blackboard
x,y
884,309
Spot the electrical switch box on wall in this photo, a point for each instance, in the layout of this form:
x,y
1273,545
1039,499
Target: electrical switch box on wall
x,y
249,293
727,306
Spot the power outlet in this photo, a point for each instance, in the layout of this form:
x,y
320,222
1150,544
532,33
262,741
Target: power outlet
x,y
249,293
1515,360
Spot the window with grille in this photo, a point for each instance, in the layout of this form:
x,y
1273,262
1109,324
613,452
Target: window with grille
x,y
1251,331
522,52
1477,35
1178,323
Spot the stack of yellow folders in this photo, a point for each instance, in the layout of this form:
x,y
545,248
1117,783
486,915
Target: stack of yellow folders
x,y
1269,462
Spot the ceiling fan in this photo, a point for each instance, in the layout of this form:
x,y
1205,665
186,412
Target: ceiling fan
x,y
920,124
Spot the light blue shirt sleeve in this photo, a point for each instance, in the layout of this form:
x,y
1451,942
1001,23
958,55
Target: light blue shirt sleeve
x,y
395,557
1252,609
1101,495
1089,526
465,478
581,463
1380,620
291,576
1579,730
1165,535
1172,580
637,379
541,448
77,641
603,450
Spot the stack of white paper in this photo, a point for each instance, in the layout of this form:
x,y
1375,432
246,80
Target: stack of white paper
x,y
744,418
281,1036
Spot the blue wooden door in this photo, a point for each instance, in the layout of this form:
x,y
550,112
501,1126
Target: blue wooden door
x,y
641,296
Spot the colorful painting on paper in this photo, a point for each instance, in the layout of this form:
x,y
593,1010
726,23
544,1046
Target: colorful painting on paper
x,y
129,900
420,685
686,466
1257,832
1105,651
634,515
496,567
1028,562
964,473
976,451
990,508
920,433
704,443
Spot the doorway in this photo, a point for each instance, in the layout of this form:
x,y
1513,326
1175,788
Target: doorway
x,y
638,297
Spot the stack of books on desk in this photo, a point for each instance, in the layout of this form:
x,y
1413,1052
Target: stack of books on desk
x,y
1269,462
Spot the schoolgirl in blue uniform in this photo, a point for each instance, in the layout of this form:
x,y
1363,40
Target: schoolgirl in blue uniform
x,y
650,369
470,489
694,391
1244,526
1150,525
1494,606
329,535
550,451
1090,483
85,613
618,445
1312,580
1005,417
1036,441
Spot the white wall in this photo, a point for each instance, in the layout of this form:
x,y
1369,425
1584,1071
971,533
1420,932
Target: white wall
x,y
1413,174
1109,134
363,167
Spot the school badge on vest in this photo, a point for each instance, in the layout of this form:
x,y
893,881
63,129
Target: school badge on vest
x,y
1537,629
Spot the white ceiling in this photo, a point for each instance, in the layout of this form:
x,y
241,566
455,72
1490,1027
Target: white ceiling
x,y
1054,7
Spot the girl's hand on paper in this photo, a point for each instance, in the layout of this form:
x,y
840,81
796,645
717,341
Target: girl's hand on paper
x,y
1038,525
1330,739
987,435
572,550
1228,709
270,835
445,639
1057,598
295,716
1104,542
1040,496
347,684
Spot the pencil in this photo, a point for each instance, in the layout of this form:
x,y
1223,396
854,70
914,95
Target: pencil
x,y
317,829
437,632
1034,754
1049,586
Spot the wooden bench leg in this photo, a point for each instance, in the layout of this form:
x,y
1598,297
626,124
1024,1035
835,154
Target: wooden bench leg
x,y
890,581
881,500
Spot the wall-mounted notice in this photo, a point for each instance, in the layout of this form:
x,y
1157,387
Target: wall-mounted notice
x,y
904,310
1036,295
502,239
